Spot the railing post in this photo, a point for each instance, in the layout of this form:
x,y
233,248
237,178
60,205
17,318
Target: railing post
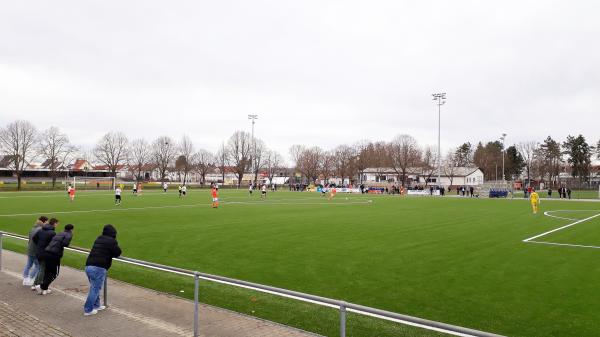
x,y
196,290
342,319
1,235
106,289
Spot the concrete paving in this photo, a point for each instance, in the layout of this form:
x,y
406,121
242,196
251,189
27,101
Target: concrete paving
x,y
133,311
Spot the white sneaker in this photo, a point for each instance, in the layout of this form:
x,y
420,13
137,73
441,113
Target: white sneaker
x,y
38,288
26,280
45,292
93,312
100,308
29,282
33,288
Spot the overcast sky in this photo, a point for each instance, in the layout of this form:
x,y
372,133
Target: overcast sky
x,y
316,72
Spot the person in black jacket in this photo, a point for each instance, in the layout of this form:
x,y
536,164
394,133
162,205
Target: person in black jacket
x,y
105,248
41,239
52,255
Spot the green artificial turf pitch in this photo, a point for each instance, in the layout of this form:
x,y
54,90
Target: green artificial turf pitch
x,y
456,260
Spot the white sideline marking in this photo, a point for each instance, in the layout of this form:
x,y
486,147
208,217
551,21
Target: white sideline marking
x,y
561,228
264,202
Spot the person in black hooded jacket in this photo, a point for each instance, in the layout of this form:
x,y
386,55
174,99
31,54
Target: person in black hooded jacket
x,y
105,248
42,239
53,253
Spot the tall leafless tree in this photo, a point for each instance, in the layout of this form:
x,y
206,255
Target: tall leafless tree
x,y
344,162
55,149
258,158
361,149
239,151
273,163
428,163
528,151
18,140
139,157
404,154
203,161
295,153
309,163
164,151
328,166
183,164
451,161
111,151
221,160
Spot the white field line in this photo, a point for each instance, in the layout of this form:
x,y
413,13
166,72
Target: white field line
x,y
561,228
264,203
547,213
563,244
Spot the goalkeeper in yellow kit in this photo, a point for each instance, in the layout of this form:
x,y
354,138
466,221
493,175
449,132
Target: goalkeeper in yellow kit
x,y
535,201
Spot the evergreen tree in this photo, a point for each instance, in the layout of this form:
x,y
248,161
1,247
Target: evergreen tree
x,y
579,155
514,163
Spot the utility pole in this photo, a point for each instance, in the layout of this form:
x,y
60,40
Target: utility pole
x,y
441,100
503,138
253,118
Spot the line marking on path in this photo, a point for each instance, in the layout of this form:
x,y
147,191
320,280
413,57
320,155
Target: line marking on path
x,y
263,202
153,322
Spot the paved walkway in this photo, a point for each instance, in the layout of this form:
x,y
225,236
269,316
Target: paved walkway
x,y
133,311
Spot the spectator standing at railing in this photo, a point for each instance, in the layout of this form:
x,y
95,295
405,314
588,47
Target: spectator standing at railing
x,y
29,274
42,239
53,254
105,248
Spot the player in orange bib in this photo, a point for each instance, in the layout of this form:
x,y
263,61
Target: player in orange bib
x,y
332,193
215,198
72,193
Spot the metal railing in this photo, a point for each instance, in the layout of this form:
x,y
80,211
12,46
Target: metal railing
x,y
342,306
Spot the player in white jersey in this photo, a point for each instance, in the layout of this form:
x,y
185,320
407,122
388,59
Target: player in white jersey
x,y
184,190
118,196
263,191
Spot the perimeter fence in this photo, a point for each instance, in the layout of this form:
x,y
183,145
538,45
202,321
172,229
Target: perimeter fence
x,y
342,306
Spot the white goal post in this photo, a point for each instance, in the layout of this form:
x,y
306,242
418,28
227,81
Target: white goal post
x,y
93,183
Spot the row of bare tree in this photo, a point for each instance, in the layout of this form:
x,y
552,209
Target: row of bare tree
x,y
402,155
239,155
22,143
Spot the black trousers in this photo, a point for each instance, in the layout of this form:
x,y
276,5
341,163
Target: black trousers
x,y
51,272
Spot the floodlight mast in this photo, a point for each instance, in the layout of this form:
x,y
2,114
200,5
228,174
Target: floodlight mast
x,y
503,138
253,118
440,99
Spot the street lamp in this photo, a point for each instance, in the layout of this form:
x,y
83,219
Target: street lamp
x,y
503,138
253,118
441,100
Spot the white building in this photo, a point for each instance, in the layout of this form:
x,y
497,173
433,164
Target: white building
x,y
455,176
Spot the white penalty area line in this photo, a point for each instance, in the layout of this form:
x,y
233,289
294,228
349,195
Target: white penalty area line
x,y
532,239
562,244
264,202
548,213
